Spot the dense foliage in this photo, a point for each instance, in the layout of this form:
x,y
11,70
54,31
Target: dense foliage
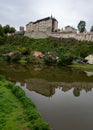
x,y
8,29
4,31
81,26
67,49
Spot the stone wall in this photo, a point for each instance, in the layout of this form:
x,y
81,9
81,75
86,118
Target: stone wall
x,y
79,36
41,28
36,35
47,27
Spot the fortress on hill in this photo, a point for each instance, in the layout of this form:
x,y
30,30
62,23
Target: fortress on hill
x,y
48,27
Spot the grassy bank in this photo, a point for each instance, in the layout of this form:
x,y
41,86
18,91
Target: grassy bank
x,y
17,112
82,66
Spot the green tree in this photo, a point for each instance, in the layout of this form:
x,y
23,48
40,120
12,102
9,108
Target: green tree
x,y
76,92
81,26
65,59
91,30
1,31
12,30
6,29
2,38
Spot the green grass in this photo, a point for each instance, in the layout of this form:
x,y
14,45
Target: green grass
x,y
82,66
17,112
12,116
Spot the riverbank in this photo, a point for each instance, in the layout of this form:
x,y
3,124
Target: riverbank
x,y
62,52
82,66
17,112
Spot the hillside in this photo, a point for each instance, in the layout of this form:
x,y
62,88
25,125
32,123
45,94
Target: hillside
x,y
63,47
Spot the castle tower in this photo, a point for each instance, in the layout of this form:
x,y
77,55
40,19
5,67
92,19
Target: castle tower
x,y
41,28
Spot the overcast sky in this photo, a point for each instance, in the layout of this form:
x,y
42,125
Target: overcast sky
x,y
68,12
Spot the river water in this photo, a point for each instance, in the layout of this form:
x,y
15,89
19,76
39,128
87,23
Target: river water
x,y
64,96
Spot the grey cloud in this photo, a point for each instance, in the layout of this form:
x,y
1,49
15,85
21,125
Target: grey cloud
x,y
20,12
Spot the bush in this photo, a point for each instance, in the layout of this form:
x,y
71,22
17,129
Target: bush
x,y
16,56
2,122
40,125
27,103
32,114
19,93
24,50
48,59
65,60
2,40
9,85
7,58
2,78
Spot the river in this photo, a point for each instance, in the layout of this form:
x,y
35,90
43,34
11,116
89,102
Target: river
x,y
64,96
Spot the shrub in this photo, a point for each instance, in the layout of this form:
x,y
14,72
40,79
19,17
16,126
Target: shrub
x,y
19,93
65,60
2,40
32,114
2,78
40,125
24,50
27,103
49,59
2,122
7,58
16,56
9,85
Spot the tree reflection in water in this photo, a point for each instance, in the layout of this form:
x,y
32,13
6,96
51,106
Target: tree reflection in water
x,y
48,88
44,79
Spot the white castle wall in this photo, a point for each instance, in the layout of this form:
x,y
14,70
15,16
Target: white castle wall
x,y
78,36
41,29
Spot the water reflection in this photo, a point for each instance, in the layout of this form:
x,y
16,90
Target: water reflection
x,y
59,93
20,73
89,73
47,89
63,110
40,86
44,79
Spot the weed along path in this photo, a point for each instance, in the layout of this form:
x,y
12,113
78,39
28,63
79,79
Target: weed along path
x,y
17,112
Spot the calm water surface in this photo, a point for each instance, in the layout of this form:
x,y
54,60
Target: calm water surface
x,y
64,96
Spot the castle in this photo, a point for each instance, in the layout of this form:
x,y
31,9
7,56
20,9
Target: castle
x,y
48,27
41,28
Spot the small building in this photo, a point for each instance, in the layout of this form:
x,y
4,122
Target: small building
x,y
70,29
89,59
38,54
21,31
21,28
